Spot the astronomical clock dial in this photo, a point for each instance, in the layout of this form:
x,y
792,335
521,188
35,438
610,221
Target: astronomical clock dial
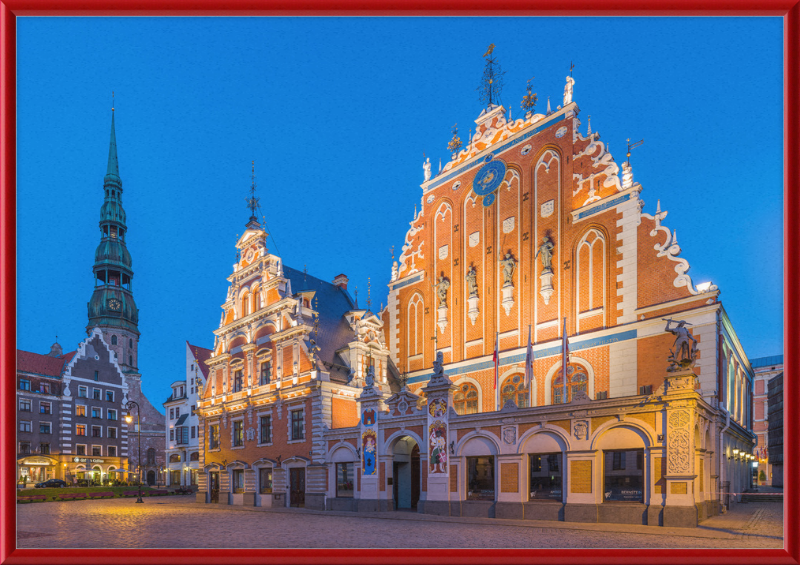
x,y
114,304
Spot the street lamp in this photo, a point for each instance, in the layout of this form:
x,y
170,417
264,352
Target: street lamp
x,y
129,419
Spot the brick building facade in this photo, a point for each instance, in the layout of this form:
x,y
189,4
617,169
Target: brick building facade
x,y
531,229
764,369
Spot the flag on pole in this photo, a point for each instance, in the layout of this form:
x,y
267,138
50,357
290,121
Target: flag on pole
x,y
529,361
496,358
564,359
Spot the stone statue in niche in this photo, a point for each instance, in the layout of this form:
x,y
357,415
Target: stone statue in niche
x,y
684,354
472,282
546,251
509,264
441,290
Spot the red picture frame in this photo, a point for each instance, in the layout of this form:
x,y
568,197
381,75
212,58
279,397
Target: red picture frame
x,y
789,10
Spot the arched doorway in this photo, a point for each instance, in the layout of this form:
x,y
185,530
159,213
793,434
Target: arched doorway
x,y
151,478
405,474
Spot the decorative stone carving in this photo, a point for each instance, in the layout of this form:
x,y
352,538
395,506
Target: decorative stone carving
x,y
426,169
472,289
684,354
438,377
474,238
678,447
509,265
547,209
508,225
568,90
580,397
443,251
441,290
250,434
510,435
546,251
581,429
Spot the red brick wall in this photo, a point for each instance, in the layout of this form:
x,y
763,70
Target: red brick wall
x,y
344,413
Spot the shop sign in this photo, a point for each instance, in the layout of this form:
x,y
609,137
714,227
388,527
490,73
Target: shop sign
x,y
87,460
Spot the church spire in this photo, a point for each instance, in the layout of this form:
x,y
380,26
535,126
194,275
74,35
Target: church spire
x,y
113,164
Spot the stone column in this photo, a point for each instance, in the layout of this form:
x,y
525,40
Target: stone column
x,y
681,401
439,395
369,400
224,486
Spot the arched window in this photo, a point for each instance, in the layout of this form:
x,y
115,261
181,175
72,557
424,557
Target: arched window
x,y
416,309
194,456
175,458
130,342
257,305
465,400
151,456
577,380
514,389
245,304
113,340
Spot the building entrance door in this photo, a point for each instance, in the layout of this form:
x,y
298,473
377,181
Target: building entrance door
x,y
297,487
213,486
406,475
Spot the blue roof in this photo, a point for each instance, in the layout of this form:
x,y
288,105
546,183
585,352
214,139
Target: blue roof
x,y
770,361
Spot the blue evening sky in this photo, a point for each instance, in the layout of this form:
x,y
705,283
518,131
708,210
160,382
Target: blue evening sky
x,y
337,113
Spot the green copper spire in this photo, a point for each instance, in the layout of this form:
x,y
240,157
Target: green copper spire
x,y
112,304
113,164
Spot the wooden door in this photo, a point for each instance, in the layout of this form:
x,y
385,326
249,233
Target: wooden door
x,y
213,485
297,487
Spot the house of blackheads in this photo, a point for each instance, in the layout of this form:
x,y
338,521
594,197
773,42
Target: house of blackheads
x,y
543,354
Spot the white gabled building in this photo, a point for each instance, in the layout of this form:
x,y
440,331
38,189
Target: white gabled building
x,y
181,420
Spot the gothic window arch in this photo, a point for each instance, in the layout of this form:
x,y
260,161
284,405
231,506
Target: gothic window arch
x,y
514,388
257,305
151,456
590,277
416,334
130,342
113,340
465,399
577,380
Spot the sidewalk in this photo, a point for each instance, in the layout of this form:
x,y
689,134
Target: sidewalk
x,y
740,521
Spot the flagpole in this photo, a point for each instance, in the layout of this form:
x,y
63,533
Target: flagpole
x,y
564,361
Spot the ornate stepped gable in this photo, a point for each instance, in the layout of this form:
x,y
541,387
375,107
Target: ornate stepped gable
x,y
530,222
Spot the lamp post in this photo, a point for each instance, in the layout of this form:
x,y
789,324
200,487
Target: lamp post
x,y
129,419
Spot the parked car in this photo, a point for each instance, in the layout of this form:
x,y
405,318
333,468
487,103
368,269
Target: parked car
x,y
52,483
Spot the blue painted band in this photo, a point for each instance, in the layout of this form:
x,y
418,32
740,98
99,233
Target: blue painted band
x,y
604,206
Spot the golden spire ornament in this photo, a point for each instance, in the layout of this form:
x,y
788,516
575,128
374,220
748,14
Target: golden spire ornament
x,y
529,100
455,143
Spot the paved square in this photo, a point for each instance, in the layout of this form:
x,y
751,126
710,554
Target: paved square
x,y
178,522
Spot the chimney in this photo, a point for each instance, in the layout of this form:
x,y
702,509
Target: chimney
x,y
341,281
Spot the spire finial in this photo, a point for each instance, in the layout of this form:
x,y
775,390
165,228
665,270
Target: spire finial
x,y
252,202
392,252
455,143
356,298
529,100
112,100
632,146
369,294
492,80
571,66
113,163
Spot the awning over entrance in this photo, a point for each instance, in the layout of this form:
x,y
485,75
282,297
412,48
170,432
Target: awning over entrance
x,y
34,460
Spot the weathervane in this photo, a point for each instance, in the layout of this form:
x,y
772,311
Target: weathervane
x,y
369,289
571,66
492,80
529,100
252,202
392,252
632,146
454,145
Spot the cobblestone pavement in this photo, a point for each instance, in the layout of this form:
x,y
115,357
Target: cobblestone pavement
x,y
165,522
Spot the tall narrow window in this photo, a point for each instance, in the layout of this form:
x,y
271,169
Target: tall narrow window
x,y
297,424
264,373
237,381
265,429
238,435
245,304
344,480
480,478
213,436
238,480
590,276
265,480
113,340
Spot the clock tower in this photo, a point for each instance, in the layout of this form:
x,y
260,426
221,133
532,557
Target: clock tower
x,y
112,308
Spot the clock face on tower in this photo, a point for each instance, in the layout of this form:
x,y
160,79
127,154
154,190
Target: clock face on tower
x,y
114,304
